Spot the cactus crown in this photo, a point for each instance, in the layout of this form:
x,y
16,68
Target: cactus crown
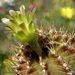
x,y
21,24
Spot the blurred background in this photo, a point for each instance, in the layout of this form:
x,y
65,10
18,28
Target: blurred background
x,y
60,13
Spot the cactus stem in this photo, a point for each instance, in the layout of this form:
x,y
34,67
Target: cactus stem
x,y
35,46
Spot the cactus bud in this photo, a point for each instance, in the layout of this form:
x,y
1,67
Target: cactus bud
x,y
21,24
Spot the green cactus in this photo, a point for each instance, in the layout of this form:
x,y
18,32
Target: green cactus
x,y
43,52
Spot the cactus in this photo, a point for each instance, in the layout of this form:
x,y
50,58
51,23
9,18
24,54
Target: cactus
x,y
41,51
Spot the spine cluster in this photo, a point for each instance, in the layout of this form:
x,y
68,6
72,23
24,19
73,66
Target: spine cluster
x,y
22,63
